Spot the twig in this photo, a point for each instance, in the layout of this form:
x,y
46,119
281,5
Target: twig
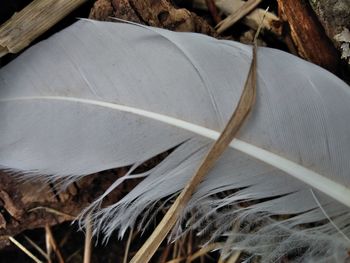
x,y
32,21
245,9
26,251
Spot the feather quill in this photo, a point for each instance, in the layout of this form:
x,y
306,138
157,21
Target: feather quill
x,y
102,95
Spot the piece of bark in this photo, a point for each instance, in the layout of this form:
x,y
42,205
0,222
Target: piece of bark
x,y
34,204
102,10
32,21
334,15
154,13
308,34
105,10
213,11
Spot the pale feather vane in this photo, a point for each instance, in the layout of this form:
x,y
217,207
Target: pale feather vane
x,y
102,95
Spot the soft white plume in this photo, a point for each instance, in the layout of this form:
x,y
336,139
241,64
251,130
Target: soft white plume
x,y
103,95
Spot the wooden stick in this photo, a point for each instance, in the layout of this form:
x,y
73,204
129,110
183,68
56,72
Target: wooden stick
x,y
32,21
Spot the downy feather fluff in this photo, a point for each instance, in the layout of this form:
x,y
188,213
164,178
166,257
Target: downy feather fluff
x,y
102,95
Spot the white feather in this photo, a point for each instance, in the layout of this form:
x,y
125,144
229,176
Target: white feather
x,y
102,95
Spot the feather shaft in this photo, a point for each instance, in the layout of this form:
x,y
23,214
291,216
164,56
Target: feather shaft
x,y
331,188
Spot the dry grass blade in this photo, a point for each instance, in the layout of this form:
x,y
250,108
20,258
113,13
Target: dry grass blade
x,y
34,245
128,243
35,19
26,251
234,257
71,257
204,250
48,247
189,245
176,260
53,243
245,9
260,27
164,255
53,211
169,220
88,239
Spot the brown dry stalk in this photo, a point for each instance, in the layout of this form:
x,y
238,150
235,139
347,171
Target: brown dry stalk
x,y
48,247
32,21
88,239
66,216
128,243
53,244
25,250
245,9
39,249
204,250
244,106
